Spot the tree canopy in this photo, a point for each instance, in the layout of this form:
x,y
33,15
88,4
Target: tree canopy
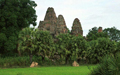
x,y
93,34
14,15
113,33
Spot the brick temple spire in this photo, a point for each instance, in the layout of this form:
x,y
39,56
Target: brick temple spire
x,y
77,28
99,29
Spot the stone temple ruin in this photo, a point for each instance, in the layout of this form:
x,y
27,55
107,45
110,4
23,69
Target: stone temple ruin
x,y
99,29
56,25
76,28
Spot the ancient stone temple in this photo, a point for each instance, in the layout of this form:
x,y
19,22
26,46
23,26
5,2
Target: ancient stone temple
x,y
57,25
50,21
76,28
53,24
99,29
61,25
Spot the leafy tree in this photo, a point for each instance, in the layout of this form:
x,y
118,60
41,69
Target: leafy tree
x,y
113,33
118,47
79,47
64,45
14,15
100,48
93,34
92,51
44,42
70,47
26,43
35,42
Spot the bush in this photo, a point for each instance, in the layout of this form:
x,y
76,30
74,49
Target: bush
x,y
118,47
14,62
99,48
110,65
37,59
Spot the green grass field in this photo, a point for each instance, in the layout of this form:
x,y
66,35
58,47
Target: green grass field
x,y
63,70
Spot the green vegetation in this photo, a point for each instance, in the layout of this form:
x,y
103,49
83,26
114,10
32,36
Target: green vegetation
x,y
35,42
113,33
93,34
14,62
63,70
14,15
64,49
110,65
99,48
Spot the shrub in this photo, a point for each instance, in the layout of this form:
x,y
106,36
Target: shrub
x,y
79,48
110,65
99,48
14,62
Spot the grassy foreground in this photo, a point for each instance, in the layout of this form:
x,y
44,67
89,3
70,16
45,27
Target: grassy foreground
x,y
63,70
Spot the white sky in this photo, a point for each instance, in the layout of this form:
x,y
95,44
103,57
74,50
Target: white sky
x,y
91,13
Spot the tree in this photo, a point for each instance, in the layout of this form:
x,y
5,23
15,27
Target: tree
x,y
64,44
93,34
113,33
79,48
26,43
118,47
70,47
99,48
44,42
14,15
35,42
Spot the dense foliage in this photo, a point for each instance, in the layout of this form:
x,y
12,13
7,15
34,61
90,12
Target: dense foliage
x,y
14,15
26,42
44,44
99,48
79,48
64,42
113,33
93,34
35,42
64,48
14,62
110,65
71,48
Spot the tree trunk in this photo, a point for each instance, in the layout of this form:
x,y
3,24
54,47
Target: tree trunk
x,y
66,60
43,58
30,58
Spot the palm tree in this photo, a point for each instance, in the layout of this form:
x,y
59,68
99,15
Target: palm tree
x,y
26,41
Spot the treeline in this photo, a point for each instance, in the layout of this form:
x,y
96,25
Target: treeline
x,y
40,46
65,48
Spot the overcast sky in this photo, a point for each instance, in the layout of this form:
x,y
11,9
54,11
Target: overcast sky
x,y
91,13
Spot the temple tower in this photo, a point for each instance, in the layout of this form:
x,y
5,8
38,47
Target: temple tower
x,y
76,28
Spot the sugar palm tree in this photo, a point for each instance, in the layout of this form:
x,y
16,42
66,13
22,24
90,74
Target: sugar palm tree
x,y
26,41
